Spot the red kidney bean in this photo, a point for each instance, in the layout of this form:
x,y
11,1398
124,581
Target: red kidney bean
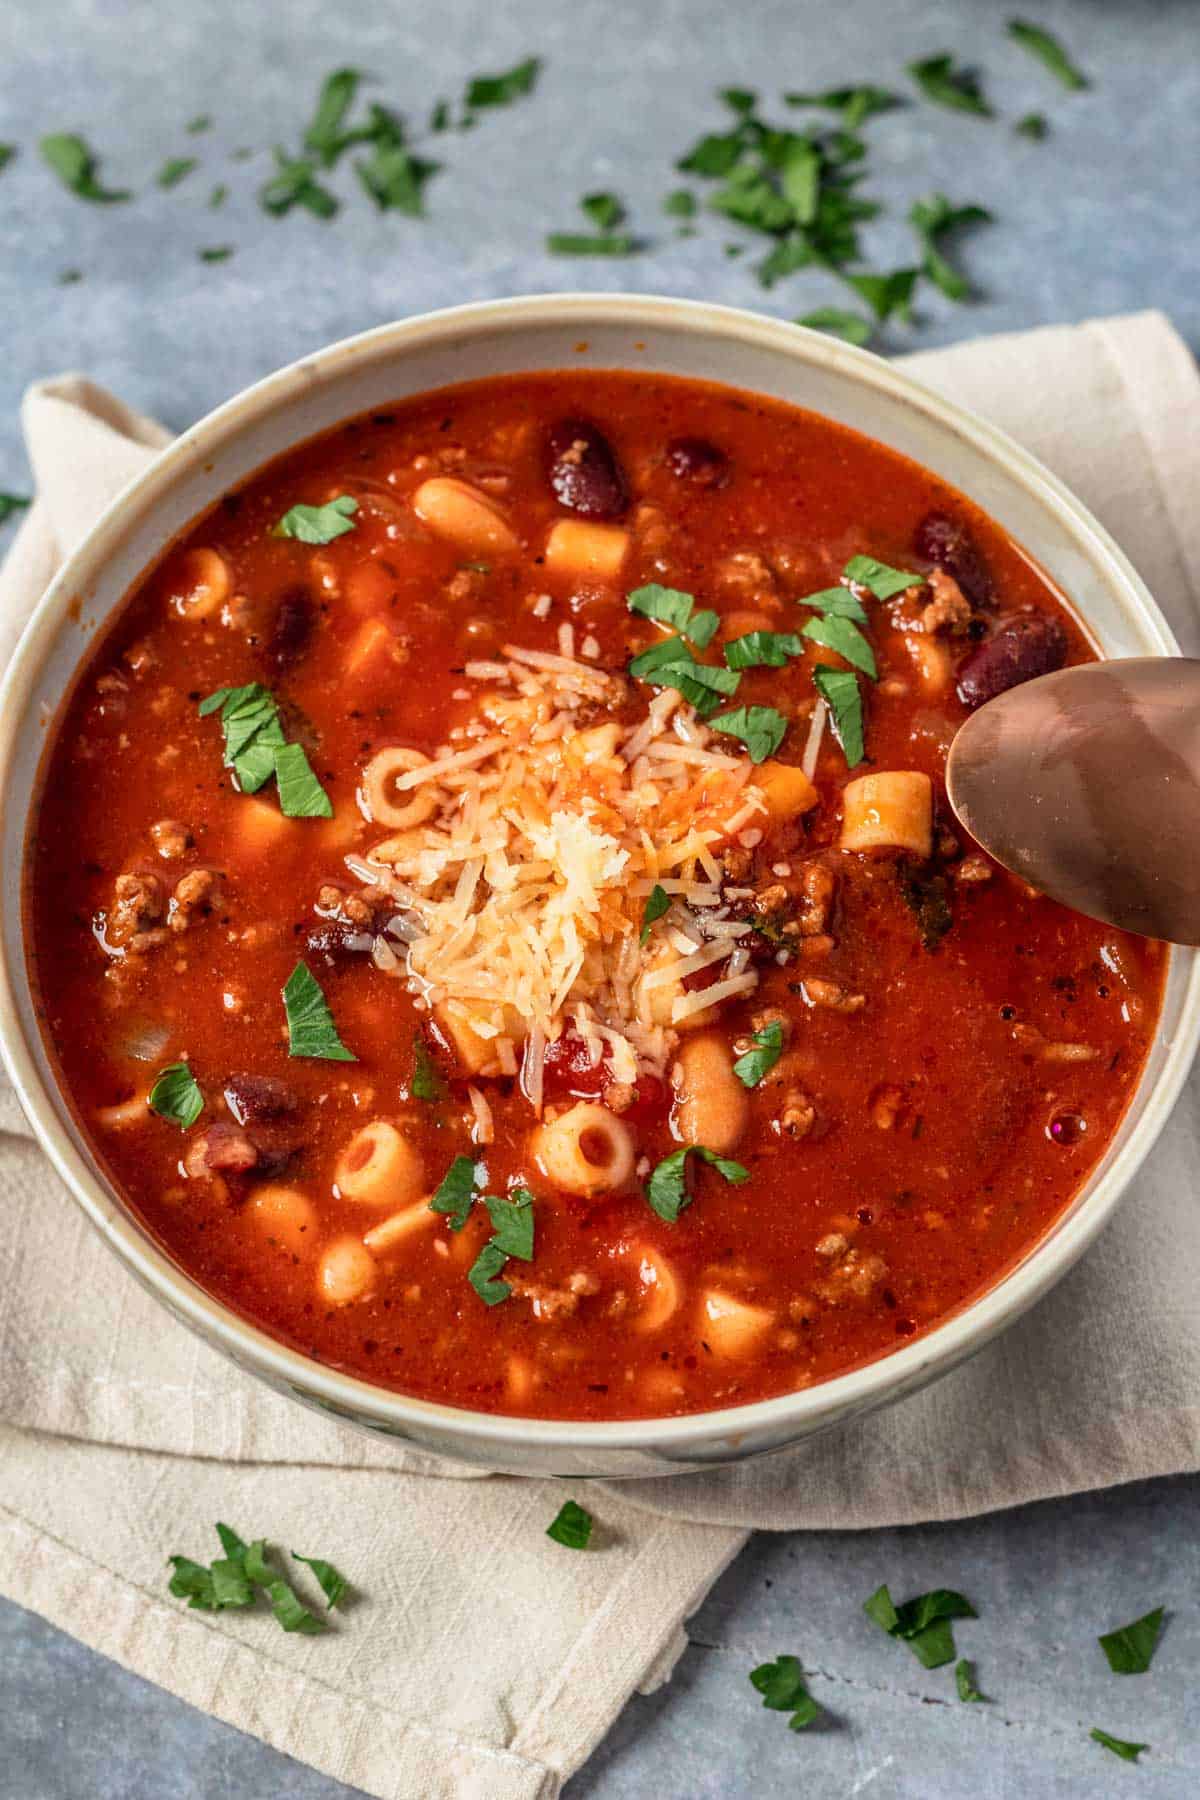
x,y
1029,644
948,544
252,1098
584,472
698,461
291,629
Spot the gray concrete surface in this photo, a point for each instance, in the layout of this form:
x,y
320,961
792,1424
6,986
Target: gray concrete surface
x,y
1099,218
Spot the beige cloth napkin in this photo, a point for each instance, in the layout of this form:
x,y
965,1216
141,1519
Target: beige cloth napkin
x,y
483,1660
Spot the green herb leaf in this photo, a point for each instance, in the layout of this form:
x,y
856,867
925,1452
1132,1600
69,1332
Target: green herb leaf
x,y
671,606
714,155
941,80
1032,125
301,795
1119,1746
856,104
781,1684
484,1274
218,196
295,183
881,1610
841,602
427,1083
331,1582
501,90
572,243
739,100
7,152
658,901
231,1543
841,693
318,524
836,322
250,722
12,503
202,122
571,1526
843,636
758,1062
760,728
763,650
176,1096
75,165
289,1609
174,170
933,219
680,204
964,1681
887,294
216,253
311,1030
923,1622
671,664
192,1582
1130,1648
325,136
455,1192
885,583
230,1586
395,179
512,1222
604,210
667,1188
800,180
1049,51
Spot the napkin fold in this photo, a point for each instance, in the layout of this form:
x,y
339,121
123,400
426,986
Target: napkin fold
x,y
480,1658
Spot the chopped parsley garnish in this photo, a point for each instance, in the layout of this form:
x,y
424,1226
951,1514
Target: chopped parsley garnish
x,y
658,901
1119,1746
331,1581
1048,50
427,1083
964,1681
512,1235
295,183
231,1581
840,691
311,1030
502,90
781,1684
12,503
1130,1648
944,82
844,636
842,602
301,795
761,728
176,1096
455,1192
1033,125
763,649
671,606
218,196
923,1623
7,152
884,582
933,219
394,178
318,524
886,294
856,104
216,253
680,203
174,170
671,664
603,209
667,1189
74,162
578,243
761,1059
571,1526
837,322
326,136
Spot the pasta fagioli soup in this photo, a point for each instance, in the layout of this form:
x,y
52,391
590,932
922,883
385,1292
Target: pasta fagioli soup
x,y
494,910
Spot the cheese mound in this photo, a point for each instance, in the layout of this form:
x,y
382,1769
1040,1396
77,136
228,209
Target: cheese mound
x,y
521,896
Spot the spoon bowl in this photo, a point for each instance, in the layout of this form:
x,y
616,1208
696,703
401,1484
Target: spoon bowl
x,y
1086,784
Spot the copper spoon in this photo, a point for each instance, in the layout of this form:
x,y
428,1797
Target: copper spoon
x,y
1086,784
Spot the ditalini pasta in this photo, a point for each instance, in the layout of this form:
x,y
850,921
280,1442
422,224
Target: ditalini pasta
x,y
493,905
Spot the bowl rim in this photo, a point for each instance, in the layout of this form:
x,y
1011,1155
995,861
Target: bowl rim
x,y
774,1421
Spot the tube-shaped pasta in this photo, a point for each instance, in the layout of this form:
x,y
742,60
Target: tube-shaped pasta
x,y
379,1167
731,1327
380,801
285,1216
786,789
660,1291
587,1150
455,510
392,1231
577,547
711,1105
345,1272
197,583
892,810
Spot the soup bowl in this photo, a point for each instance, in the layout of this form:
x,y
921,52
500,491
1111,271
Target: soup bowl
x,y
393,363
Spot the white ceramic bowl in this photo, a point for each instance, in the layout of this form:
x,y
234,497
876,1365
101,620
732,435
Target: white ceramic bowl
x,y
553,332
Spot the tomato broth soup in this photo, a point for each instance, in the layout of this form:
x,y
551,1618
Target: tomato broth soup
x,y
494,909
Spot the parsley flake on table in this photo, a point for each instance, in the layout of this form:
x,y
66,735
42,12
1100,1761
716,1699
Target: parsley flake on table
x,y
12,503
176,1096
331,1581
231,1580
946,83
318,524
1130,1648
856,104
1046,47
174,170
658,902
760,1059
934,219
1128,1752
923,1623
216,253
74,162
502,90
311,1030
295,183
886,294
964,1681
326,135
571,1526
1032,125
667,1189
782,1686
835,321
